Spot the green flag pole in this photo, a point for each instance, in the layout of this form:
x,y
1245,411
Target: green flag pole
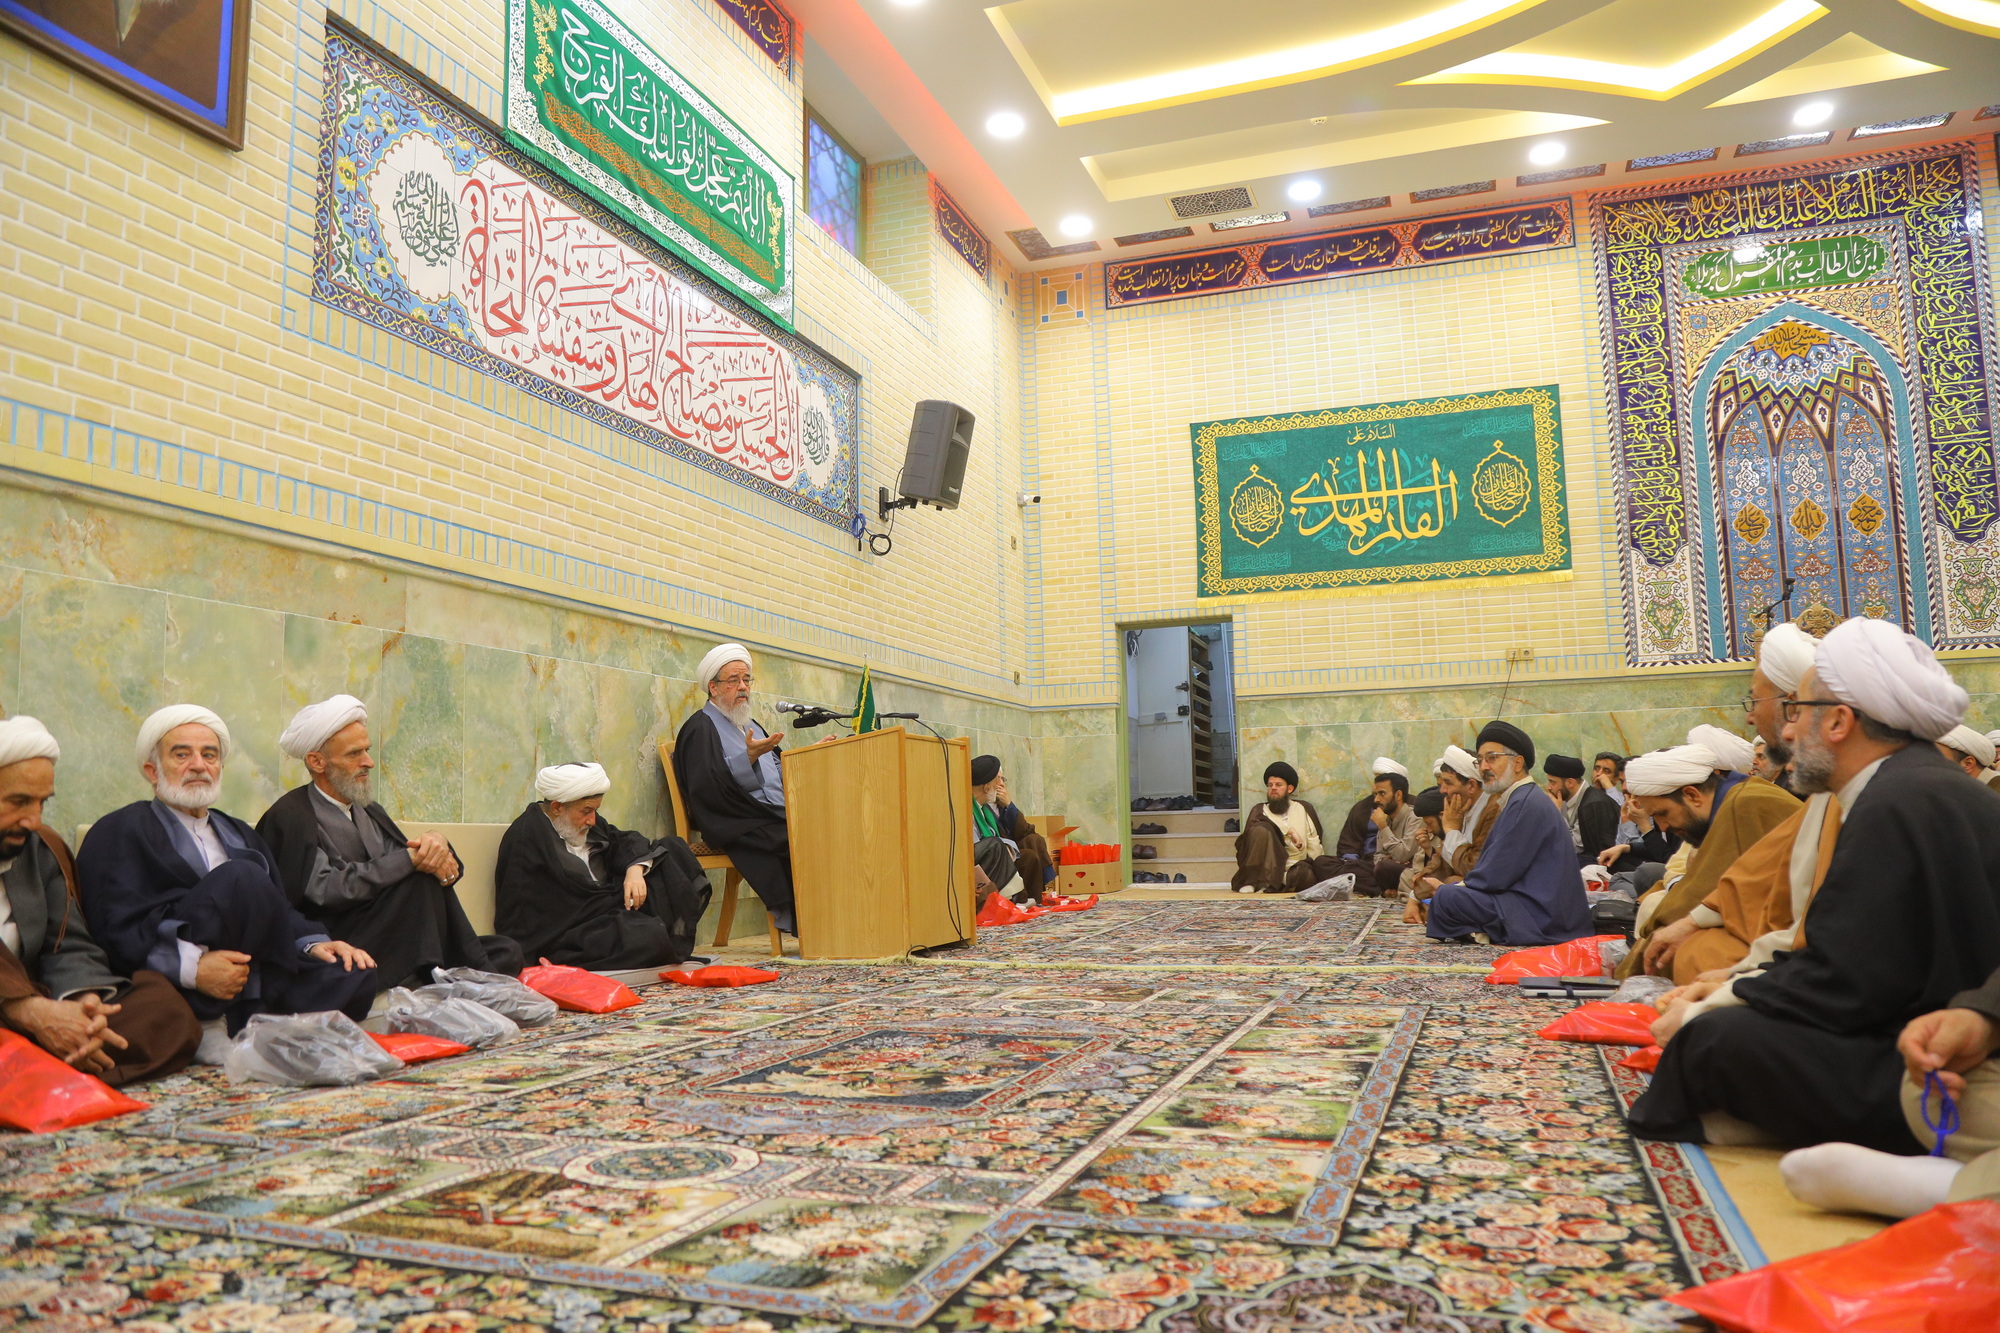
x,y
864,703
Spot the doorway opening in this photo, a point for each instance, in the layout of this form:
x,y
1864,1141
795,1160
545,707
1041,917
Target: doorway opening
x,y
1180,714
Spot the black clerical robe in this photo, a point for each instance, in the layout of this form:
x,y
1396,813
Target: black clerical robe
x,y
146,891
753,835
1597,816
350,870
57,959
562,909
1907,917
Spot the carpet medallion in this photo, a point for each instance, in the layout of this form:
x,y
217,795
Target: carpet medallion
x,y
978,1148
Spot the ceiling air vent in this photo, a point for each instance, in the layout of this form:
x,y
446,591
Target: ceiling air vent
x,y
1235,199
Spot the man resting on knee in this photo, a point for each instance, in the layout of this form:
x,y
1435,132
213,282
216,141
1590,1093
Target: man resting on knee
x,y
1282,848
175,885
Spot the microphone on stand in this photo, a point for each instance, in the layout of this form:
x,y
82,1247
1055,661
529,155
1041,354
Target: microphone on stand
x,y
809,715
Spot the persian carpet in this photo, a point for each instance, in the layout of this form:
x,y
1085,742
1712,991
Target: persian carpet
x,y
1182,1148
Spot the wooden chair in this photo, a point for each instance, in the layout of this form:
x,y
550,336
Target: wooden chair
x,y
711,859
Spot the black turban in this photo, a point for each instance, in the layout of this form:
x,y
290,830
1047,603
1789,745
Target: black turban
x,y
1563,766
1281,769
1511,736
985,768
1428,803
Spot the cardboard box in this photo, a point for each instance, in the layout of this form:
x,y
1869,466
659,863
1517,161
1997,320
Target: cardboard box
x,y
1082,881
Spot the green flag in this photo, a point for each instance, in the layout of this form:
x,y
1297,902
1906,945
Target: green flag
x,y
864,704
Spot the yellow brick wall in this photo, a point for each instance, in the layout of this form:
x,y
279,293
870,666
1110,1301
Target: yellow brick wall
x,y
155,287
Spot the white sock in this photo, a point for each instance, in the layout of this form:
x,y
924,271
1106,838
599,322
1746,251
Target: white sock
x,y
1726,1131
1847,1178
214,1043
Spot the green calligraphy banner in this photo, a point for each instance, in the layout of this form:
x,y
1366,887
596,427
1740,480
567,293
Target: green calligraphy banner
x,y
607,112
1463,487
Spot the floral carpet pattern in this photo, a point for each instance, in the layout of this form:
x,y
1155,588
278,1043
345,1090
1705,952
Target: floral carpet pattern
x,y
985,1149
1251,933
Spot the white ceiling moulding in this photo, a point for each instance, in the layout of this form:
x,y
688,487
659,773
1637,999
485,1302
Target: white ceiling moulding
x,y
1980,16
1846,62
1262,69
1538,62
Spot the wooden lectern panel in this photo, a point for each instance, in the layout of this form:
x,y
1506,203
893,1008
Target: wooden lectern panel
x,y
871,819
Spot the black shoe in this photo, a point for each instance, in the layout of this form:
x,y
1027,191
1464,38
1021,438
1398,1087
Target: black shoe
x,y
1149,829
1181,803
1180,879
1231,826
1145,852
1139,803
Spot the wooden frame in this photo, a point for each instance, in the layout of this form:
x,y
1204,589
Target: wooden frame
x,y
711,859
187,61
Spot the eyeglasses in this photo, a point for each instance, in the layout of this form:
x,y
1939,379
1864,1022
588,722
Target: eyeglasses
x,y
734,680
1793,707
1497,755
1750,701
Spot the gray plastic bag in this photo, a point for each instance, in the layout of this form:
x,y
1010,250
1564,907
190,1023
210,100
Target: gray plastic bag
x,y
1339,889
445,1016
306,1051
503,995
1642,990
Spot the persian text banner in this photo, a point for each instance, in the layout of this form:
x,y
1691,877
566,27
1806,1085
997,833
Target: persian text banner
x,y
430,227
1333,254
1469,486
609,113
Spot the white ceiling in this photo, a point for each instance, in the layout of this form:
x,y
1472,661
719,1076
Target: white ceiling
x,y
842,105
1127,101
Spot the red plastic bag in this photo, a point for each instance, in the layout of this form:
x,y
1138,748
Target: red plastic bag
x,y
574,988
413,1048
720,975
41,1094
1578,958
1939,1272
1002,911
1055,902
1601,1020
1088,854
1645,1061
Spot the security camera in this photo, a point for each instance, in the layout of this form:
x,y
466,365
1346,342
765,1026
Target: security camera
x,y
1027,498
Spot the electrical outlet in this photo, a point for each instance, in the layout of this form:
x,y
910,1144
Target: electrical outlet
x,y
1520,654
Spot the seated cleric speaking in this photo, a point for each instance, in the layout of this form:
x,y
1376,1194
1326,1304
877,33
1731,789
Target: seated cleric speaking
x,y
727,766
574,888
57,988
346,864
174,885
1525,888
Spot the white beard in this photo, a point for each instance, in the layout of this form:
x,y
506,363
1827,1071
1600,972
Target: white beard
x,y
569,830
1497,786
197,795
739,715
353,789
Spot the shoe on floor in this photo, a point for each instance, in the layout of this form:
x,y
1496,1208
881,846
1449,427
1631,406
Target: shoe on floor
x,y
1180,879
1231,826
1151,830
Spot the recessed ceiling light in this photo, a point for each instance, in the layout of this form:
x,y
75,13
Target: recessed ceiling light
x,y
1546,154
1813,113
1005,125
1076,224
1304,191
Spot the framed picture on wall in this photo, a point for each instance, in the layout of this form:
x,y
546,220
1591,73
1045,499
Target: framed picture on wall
x,y
185,59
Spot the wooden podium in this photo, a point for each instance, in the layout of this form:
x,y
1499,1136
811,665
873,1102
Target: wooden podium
x,y
881,829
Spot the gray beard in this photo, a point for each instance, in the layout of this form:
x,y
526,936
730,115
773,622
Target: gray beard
x,y
185,795
738,715
1812,765
352,788
569,830
1495,787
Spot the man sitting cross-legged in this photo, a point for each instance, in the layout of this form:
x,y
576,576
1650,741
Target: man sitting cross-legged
x,y
574,888
1526,888
1723,814
175,885
1281,848
1908,916
727,765
346,864
57,988
1005,844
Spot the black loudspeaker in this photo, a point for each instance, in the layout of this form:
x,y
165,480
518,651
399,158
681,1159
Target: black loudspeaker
x,y
934,466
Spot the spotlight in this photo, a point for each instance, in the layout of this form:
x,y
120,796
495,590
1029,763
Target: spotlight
x,y
1076,224
1546,154
1813,113
1005,125
1304,191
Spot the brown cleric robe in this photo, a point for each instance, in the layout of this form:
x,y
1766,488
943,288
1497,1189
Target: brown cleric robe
x,y
1264,863
1467,856
1746,812
1757,896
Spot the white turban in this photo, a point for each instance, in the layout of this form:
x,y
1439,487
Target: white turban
x,y
1384,764
1960,738
1880,669
1994,736
1458,761
1785,655
571,782
718,658
178,715
25,738
1665,772
316,724
1731,751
